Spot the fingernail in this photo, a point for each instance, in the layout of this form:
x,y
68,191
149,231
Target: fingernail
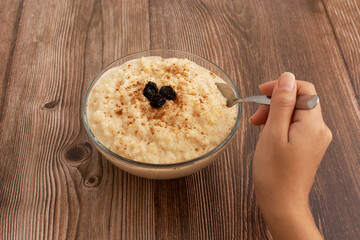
x,y
251,119
287,81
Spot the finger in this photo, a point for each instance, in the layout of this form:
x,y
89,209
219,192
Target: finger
x,y
260,116
268,87
261,130
306,88
303,87
282,106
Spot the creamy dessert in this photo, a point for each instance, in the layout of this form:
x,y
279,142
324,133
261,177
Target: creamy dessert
x,y
157,110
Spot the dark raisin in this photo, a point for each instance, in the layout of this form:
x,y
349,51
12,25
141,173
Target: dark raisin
x,y
157,101
168,93
150,89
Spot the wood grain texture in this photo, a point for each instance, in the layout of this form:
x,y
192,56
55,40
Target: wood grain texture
x,y
344,17
9,33
55,185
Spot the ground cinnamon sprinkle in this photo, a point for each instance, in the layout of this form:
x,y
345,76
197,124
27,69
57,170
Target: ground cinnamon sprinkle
x,y
118,112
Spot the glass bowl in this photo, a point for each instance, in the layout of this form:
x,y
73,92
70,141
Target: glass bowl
x,y
162,171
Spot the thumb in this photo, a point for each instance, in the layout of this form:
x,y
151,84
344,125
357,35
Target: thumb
x,y
282,105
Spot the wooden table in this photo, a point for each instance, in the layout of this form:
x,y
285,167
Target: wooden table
x,y
55,185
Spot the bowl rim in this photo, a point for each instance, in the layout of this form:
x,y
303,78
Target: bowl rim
x,y
155,165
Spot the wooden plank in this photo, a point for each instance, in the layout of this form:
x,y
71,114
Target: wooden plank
x,y
344,17
10,13
254,42
54,185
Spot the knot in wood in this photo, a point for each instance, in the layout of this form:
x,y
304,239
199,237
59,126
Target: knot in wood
x,y
92,181
79,152
51,104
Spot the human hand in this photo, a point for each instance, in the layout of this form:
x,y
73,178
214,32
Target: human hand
x,y
288,153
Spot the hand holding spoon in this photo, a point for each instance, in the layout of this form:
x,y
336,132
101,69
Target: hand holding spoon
x,y
302,101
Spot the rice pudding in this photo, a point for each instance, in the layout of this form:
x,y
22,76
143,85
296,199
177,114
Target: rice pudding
x,y
123,120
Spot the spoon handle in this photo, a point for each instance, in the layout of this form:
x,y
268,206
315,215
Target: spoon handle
x,y
302,101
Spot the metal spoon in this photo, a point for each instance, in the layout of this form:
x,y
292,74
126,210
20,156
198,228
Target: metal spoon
x,y
302,101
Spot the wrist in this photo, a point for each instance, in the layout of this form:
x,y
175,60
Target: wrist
x,y
281,205
290,222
